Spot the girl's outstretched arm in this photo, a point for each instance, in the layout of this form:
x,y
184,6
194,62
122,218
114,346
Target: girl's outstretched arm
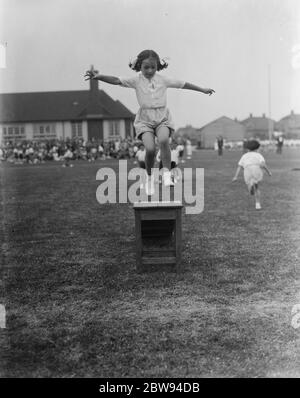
x,y
190,86
92,75
237,173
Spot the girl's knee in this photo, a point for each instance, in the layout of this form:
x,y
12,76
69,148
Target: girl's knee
x,y
150,151
164,143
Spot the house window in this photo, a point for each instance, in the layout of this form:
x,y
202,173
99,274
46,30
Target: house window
x,y
114,129
76,129
44,131
14,132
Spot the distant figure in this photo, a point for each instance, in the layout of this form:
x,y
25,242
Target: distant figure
x,y
216,145
141,156
180,149
279,144
253,164
220,142
67,157
101,151
189,149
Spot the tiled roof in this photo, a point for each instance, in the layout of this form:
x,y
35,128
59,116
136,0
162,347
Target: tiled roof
x,y
257,123
59,106
222,118
294,117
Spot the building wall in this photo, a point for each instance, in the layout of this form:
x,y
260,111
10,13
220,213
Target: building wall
x,y
31,131
261,134
290,126
129,128
229,130
113,129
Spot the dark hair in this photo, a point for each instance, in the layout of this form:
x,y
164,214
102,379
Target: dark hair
x,y
253,145
137,64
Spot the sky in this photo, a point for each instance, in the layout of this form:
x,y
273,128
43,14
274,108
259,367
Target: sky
x,y
248,51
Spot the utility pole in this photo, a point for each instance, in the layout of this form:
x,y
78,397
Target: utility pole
x,y
270,122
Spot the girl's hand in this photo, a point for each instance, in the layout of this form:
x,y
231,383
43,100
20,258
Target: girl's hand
x,y
90,75
209,91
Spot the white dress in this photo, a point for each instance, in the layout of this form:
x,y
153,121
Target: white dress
x,y
252,163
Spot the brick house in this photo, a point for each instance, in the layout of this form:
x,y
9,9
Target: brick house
x,y
290,125
258,126
64,114
229,129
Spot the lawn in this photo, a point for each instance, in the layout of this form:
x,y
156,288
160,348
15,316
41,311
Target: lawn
x,y
76,307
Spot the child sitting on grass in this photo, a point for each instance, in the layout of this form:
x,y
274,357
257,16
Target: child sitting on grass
x,y
67,157
253,164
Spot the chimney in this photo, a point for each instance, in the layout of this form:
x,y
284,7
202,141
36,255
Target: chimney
x,y
292,112
93,83
264,115
93,107
251,115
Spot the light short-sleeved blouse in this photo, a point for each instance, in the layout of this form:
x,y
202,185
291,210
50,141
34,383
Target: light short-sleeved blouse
x,y
151,93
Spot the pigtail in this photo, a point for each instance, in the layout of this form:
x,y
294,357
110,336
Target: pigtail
x,y
163,63
132,64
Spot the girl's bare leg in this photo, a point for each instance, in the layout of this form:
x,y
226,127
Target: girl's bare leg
x,y
257,197
163,134
149,144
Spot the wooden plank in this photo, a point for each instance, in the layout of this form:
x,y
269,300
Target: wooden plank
x,y
157,204
158,260
159,253
164,215
158,220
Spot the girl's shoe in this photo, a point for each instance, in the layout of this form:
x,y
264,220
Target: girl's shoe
x,y
168,180
257,206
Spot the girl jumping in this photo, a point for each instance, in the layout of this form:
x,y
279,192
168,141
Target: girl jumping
x,y
153,118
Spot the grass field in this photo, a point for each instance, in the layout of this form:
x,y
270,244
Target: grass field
x,y
76,307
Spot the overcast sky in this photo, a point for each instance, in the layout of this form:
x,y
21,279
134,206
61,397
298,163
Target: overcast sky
x,y
226,45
